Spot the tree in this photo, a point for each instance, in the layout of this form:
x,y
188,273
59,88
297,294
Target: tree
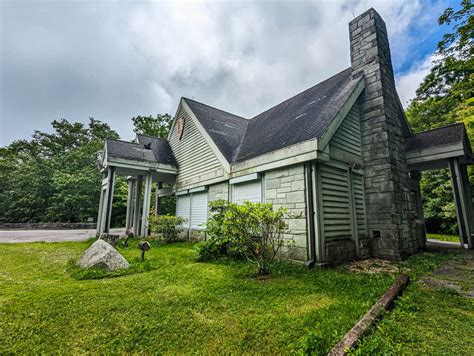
x,y
54,177
444,97
151,126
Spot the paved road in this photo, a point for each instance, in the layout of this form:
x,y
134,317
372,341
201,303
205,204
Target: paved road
x,y
16,236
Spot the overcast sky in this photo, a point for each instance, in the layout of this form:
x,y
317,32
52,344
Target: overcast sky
x,y
113,60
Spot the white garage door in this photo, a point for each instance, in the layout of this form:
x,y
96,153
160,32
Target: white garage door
x,y
198,209
251,191
183,205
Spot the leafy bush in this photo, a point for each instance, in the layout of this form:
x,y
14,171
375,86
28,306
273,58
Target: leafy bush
x,y
253,230
165,226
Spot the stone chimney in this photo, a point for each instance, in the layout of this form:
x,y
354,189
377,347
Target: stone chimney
x,y
389,200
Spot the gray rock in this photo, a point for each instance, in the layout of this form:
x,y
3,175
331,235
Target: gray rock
x,y
102,255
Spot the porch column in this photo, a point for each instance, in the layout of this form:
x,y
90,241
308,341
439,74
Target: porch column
x,y
146,204
136,209
129,215
107,201
101,204
462,202
159,185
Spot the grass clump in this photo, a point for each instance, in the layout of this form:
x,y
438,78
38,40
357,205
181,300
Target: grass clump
x,y
443,237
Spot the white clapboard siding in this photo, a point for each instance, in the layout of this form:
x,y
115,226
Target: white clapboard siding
x,y
183,208
198,209
248,191
335,202
347,136
194,155
358,186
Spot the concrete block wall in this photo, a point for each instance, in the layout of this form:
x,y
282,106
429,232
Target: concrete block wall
x,y
285,187
390,206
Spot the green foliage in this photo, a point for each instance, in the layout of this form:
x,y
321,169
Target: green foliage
x,y
54,177
253,230
444,97
165,226
158,126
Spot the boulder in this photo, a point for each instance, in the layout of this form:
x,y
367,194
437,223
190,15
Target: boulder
x,y
102,255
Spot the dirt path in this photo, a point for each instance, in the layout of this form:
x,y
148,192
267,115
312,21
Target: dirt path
x,y
18,236
457,274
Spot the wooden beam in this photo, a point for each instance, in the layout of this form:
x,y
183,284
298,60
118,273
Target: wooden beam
x,y
359,329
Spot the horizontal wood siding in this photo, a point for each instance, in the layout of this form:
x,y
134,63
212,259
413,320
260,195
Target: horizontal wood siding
x,y
335,202
196,160
358,186
347,136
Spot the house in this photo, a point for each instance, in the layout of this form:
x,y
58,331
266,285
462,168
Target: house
x,y
340,154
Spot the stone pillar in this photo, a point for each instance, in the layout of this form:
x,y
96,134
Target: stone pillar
x,y
390,210
146,204
137,207
130,197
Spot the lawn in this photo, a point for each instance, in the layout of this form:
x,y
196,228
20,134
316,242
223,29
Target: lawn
x,y
426,320
443,237
180,306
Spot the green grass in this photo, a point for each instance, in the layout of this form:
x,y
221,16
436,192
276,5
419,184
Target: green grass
x,y
425,321
443,237
178,305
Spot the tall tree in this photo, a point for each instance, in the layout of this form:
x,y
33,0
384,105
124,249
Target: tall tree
x,y
158,126
446,96
54,177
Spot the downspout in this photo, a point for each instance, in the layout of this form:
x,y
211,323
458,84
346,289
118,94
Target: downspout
x,y
310,215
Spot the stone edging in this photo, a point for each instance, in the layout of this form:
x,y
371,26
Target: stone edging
x,y
47,226
350,339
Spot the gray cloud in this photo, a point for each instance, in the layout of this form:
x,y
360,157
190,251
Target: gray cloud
x,y
116,59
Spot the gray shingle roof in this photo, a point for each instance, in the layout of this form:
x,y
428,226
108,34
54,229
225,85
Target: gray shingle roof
x,y
160,150
225,129
160,147
447,135
303,117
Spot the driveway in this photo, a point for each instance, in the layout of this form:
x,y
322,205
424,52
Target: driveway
x,y
16,236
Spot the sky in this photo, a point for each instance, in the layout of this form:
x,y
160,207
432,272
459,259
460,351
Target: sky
x,y
113,60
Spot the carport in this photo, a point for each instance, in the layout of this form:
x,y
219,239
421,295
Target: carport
x,y
143,161
447,147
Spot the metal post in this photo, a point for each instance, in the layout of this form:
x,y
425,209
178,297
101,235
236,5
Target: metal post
x,y
146,204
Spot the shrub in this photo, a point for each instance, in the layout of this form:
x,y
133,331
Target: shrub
x,y
165,226
216,244
253,230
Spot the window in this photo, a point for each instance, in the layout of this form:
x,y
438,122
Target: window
x,y
251,191
192,207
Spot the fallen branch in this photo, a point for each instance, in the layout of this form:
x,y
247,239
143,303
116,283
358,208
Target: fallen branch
x,y
350,339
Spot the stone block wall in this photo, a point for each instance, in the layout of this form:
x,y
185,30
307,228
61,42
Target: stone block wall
x,y
218,191
285,187
390,206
